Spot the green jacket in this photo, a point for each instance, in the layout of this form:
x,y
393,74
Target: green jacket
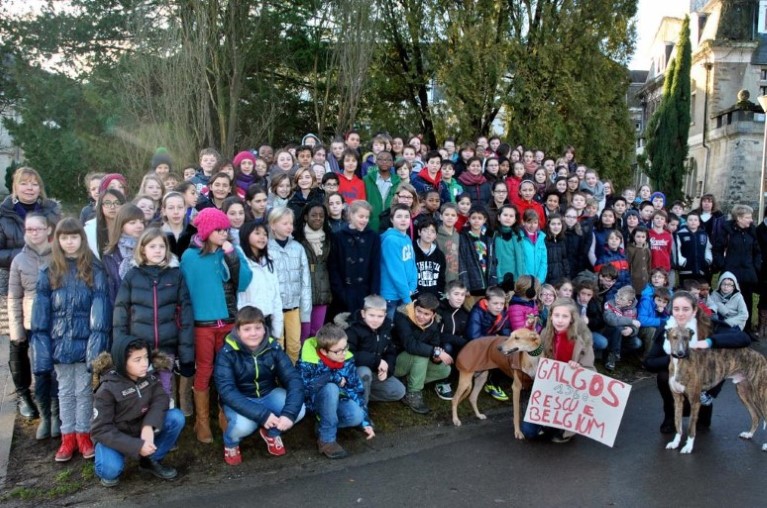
x,y
374,196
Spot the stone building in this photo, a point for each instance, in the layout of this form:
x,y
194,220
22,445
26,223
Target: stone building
x,y
729,70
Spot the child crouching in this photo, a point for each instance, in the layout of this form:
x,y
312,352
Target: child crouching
x,y
246,374
130,412
334,391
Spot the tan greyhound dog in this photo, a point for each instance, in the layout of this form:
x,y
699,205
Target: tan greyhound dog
x,y
517,356
694,370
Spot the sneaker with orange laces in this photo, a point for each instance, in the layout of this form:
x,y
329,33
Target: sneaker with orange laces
x,y
85,445
232,456
68,447
273,444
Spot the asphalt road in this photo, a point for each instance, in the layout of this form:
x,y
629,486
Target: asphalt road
x,y
483,465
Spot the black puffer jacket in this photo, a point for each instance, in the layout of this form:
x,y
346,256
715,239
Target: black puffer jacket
x,y
416,340
371,346
153,304
12,241
737,250
558,265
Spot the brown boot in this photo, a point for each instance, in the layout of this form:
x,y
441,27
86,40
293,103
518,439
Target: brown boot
x,y
222,422
202,410
185,401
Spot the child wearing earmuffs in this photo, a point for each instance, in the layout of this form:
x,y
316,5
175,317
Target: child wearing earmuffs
x,y
523,308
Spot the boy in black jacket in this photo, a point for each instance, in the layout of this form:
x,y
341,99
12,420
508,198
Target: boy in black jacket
x,y
455,320
130,413
369,339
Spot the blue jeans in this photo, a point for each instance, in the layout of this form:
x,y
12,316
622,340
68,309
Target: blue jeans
x,y
110,463
239,427
334,412
391,307
618,342
599,341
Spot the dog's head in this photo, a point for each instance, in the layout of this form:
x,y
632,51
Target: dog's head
x,y
520,340
679,341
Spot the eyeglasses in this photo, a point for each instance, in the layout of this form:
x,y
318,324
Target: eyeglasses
x,y
405,196
728,283
337,351
221,231
34,230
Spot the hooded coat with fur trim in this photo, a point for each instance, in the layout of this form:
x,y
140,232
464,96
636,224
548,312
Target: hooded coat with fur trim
x,y
153,304
122,406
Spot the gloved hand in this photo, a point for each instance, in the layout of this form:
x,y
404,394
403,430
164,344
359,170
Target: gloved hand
x,y
304,331
185,369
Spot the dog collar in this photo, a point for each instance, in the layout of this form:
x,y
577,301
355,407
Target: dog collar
x,y
536,352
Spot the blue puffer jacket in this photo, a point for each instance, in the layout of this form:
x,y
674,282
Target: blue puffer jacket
x,y
315,375
241,375
70,324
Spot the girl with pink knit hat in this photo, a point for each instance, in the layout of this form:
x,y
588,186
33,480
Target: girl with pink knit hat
x,y
214,272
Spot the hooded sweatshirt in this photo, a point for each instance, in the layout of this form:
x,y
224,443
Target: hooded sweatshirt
x,y
730,308
399,275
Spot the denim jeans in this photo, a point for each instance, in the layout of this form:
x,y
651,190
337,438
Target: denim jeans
x,y
599,341
389,390
110,463
75,397
240,427
334,412
391,307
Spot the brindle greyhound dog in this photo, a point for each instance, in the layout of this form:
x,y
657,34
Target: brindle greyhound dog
x,y
694,370
517,356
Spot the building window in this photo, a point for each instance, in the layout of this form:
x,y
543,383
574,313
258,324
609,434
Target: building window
x,y
762,26
763,74
763,90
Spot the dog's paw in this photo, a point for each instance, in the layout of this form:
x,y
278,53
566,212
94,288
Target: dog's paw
x,y
456,422
673,445
746,435
481,416
688,445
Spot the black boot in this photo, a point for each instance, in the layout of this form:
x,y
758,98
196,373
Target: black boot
x,y
21,373
44,426
704,417
55,419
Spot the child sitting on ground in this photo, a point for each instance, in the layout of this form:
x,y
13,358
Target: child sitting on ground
x,y
622,325
130,412
488,317
369,337
422,359
333,390
523,308
730,310
247,371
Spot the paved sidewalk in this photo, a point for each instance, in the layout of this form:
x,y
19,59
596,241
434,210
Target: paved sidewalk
x,y
7,410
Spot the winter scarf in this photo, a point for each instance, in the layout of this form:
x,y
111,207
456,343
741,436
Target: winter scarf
x,y
469,179
315,239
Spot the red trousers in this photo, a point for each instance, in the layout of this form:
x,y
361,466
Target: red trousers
x,y
207,342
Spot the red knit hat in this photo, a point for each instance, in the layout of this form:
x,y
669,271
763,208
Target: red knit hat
x,y
209,220
109,179
244,155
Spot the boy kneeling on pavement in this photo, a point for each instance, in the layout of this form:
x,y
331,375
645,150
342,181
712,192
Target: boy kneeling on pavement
x,y
423,358
334,391
130,412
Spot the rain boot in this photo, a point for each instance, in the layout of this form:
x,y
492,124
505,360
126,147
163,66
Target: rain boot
x,y
202,411
185,399
21,374
44,426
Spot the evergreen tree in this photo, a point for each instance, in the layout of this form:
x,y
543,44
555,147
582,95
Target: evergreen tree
x,y
666,148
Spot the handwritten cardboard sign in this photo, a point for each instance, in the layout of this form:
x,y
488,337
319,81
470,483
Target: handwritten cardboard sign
x,y
578,400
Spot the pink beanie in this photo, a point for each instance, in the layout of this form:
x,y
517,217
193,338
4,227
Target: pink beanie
x,y
244,155
109,179
209,220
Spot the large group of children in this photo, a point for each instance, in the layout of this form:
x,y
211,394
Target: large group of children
x,y
321,277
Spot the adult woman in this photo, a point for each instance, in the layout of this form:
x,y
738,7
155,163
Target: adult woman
x,y
27,195
97,229
710,214
686,313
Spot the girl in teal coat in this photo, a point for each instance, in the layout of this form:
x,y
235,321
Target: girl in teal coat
x,y
504,240
530,248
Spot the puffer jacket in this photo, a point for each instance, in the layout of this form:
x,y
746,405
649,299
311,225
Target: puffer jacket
x,y
241,374
413,338
315,374
121,406
318,270
70,324
263,292
153,304
22,287
531,257
369,346
737,250
292,268
482,322
12,241
557,259
519,310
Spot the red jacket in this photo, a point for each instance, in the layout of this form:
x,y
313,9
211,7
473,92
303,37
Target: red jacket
x,y
525,205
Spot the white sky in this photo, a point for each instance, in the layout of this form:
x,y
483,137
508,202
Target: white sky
x,y
649,14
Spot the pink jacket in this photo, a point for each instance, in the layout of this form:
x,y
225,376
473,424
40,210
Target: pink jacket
x,y
519,310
